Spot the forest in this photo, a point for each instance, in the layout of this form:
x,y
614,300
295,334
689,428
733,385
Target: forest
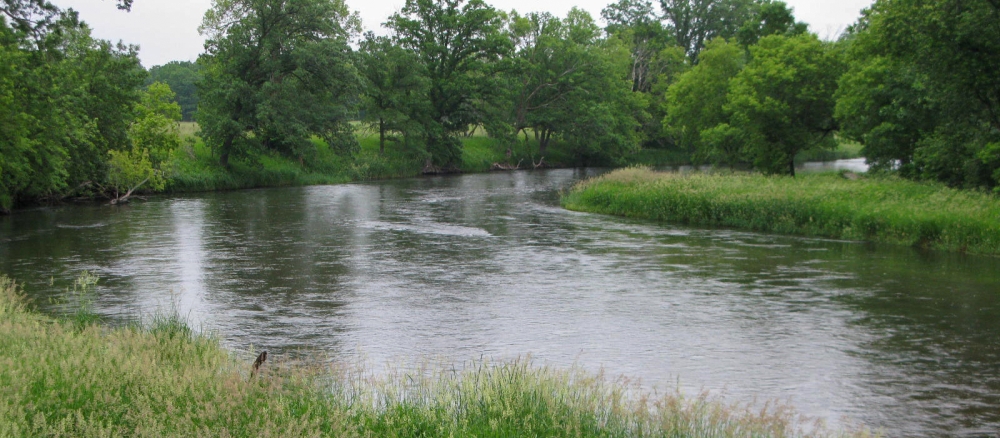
x,y
732,83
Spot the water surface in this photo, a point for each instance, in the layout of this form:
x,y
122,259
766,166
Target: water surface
x,y
457,268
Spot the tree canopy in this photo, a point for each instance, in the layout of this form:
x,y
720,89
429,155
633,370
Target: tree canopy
x,y
182,77
459,44
276,73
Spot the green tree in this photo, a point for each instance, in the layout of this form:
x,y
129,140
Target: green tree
x,y
696,22
938,112
182,77
883,105
277,72
66,100
695,103
154,128
459,45
395,87
570,83
635,22
769,17
130,170
783,100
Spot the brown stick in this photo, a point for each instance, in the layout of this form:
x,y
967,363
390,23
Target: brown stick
x,y
257,363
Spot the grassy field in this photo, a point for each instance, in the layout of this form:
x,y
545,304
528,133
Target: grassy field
x,y
886,209
73,377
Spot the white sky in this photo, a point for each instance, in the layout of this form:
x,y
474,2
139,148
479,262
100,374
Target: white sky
x,y
167,30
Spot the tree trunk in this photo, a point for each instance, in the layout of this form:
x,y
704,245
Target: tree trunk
x,y
544,143
381,136
791,166
224,153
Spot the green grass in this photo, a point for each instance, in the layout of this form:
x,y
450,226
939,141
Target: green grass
x,y
163,380
187,129
194,167
845,150
888,209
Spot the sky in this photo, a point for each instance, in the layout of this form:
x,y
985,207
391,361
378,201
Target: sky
x,y
167,30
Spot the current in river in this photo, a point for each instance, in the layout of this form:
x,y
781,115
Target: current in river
x,y
488,265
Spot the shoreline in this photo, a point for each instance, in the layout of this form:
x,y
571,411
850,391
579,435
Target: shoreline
x,y
74,376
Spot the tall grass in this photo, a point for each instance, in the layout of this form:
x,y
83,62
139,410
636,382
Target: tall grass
x,y
889,210
57,380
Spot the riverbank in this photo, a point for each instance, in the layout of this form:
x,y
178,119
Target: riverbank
x,y
74,377
886,210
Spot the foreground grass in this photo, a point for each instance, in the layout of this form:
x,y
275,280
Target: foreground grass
x,y
886,210
60,378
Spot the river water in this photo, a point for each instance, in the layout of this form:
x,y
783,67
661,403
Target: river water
x,y
489,265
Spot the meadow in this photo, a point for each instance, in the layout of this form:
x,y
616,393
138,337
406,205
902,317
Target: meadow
x,y
74,376
835,205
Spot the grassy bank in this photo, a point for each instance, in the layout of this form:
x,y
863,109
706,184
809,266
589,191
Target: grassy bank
x,y
886,210
194,166
72,378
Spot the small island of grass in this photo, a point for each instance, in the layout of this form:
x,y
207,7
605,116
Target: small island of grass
x,y
885,210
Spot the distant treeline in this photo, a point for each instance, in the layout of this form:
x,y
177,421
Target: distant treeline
x,y
735,83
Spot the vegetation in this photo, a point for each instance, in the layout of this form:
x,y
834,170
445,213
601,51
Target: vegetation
x,y
458,45
182,77
277,72
283,85
885,209
78,378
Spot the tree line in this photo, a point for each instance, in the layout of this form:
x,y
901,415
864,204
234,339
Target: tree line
x,y
737,83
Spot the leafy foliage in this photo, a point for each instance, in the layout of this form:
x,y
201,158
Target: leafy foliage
x,y
783,102
695,102
394,95
696,22
182,77
921,94
155,125
67,100
459,44
277,73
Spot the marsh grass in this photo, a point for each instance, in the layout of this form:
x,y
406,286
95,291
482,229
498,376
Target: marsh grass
x,y
879,209
161,380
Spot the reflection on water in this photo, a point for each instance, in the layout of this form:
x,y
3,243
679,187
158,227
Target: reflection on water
x,y
461,267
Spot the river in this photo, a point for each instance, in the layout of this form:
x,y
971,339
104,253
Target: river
x,y
488,265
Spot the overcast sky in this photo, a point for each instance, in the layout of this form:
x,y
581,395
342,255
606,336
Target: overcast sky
x,y
167,30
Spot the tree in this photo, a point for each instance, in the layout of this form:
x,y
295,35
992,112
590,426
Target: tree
x,y
696,22
635,22
938,111
277,72
395,87
66,101
883,105
570,83
769,18
182,77
695,103
130,170
459,44
154,128
783,100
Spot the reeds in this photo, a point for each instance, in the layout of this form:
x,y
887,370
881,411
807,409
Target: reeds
x,y
882,209
161,380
